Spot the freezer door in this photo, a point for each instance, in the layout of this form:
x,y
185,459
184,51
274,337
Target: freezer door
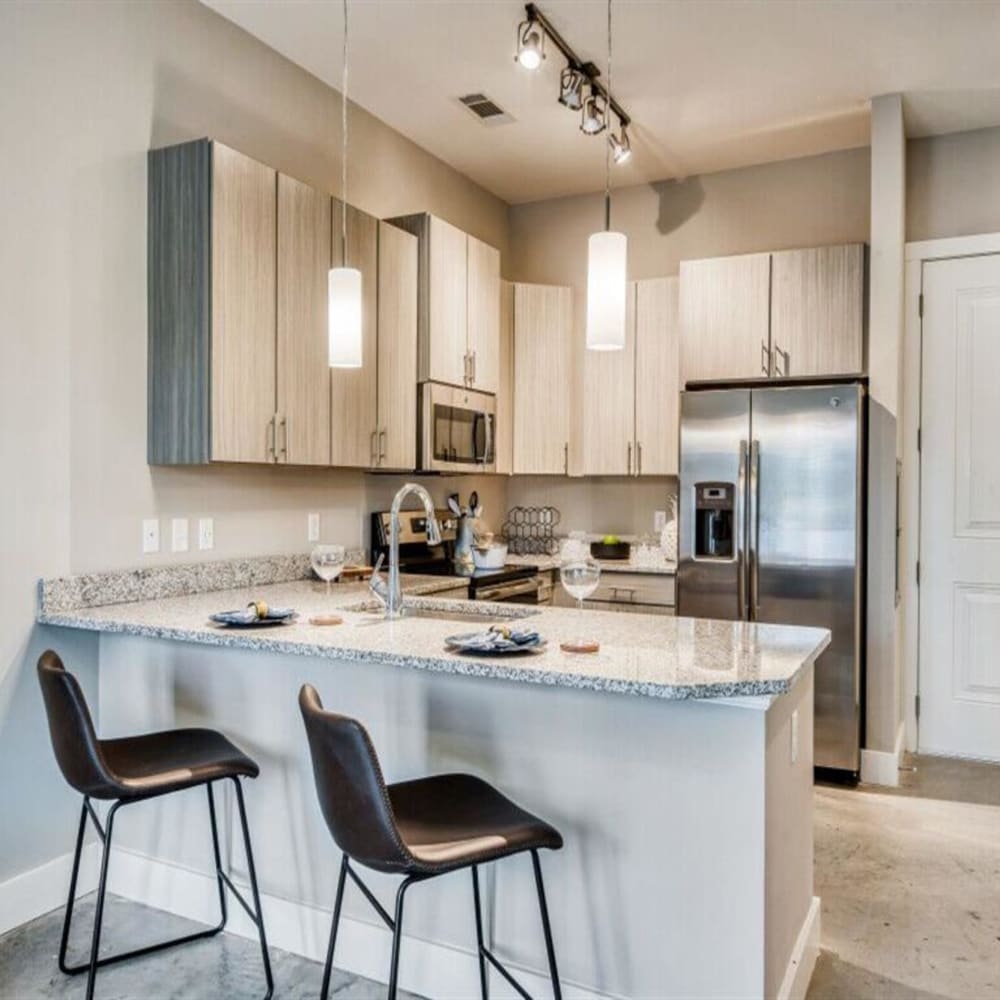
x,y
711,555
805,541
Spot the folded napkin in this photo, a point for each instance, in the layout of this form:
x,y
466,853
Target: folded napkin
x,y
499,637
251,614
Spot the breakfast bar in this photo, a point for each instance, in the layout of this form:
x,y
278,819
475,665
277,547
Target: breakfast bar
x,y
676,761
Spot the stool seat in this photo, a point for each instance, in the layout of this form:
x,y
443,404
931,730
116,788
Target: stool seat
x,y
155,763
455,820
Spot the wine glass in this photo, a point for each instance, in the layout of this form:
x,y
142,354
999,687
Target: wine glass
x,y
327,562
580,578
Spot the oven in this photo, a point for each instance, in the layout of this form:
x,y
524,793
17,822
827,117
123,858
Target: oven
x,y
457,429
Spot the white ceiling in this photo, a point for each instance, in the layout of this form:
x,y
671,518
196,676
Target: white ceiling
x,y
710,84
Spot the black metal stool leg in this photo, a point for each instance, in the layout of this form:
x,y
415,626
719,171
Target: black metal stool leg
x,y
483,984
557,991
397,935
328,968
252,872
218,858
64,943
99,910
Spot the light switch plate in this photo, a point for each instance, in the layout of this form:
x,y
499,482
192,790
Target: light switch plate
x,y
179,534
659,520
206,533
313,528
150,535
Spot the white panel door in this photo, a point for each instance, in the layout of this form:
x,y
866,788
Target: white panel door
x,y
960,509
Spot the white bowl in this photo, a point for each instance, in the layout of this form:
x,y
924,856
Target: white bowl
x,y
490,558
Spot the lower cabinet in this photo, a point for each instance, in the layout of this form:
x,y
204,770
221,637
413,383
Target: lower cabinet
x,y
543,378
639,593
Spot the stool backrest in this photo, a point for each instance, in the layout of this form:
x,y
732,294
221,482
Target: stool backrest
x,y
76,746
350,786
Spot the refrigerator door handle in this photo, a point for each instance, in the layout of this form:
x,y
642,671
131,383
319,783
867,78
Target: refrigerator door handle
x,y
753,530
741,566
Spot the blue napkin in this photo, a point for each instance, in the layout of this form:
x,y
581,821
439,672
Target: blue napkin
x,y
248,615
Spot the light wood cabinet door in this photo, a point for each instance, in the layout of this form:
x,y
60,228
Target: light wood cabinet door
x,y
396,443
608,445
353,415
505,388
543,372
657,390
484,314
445,341
817,310
303,376
725,317
244,230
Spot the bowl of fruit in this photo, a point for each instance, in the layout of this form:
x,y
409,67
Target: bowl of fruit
x,y
610,547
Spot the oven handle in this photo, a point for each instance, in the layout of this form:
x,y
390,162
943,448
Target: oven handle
x,y
529,586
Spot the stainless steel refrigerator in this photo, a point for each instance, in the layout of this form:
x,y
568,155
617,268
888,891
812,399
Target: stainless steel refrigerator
x,y
772,525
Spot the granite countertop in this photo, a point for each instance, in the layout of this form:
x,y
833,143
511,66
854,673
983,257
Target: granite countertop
x,y
646,655
545,563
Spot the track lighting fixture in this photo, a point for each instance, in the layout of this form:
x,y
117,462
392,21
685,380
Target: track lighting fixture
x,y
594,116
571,83
579,86
621,148
530,43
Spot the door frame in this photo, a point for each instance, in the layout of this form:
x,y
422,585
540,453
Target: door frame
x,y
917,254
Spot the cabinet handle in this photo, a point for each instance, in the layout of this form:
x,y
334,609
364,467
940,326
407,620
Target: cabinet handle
x,y
284,438
765,358
473,359
629,460
638,458
381,445
372,453
780,353
272,457
566,459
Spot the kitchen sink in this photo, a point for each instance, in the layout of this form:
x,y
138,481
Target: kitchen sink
x,y
475,614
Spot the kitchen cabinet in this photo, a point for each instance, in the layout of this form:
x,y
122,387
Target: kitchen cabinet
x,y
543,378
303,381
773,315
817,311
458,314
632,430
725,317
639,593
505,384
394,442
353,400
212,233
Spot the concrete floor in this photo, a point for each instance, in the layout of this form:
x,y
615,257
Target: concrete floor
x,y
909,878
910,884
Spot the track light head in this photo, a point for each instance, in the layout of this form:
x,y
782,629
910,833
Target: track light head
x,y
621,147
530,44
594,117
571,83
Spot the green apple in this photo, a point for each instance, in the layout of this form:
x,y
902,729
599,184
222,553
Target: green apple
x,y
610,540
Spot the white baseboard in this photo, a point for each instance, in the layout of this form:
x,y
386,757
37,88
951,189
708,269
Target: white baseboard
x,y
35,892
799,970
881,767
427,968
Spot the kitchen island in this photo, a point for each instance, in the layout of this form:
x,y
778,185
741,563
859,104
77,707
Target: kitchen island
x,y
677,763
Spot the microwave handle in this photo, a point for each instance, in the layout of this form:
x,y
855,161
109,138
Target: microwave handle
x,y
488,448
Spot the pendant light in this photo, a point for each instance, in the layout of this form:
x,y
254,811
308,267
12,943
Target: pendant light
x,y
607,254
344,283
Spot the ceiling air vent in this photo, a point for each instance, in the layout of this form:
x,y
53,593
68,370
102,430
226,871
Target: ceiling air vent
x,y
486,110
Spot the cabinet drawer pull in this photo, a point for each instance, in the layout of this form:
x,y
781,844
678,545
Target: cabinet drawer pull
x,y
272,457
284,438
628,461
638,458
765,358
372,452
381,446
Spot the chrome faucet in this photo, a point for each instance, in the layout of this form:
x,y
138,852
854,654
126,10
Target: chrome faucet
x,y
391,594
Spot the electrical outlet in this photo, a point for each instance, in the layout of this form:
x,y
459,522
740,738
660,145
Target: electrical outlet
x,y
795,736
179,534
151,535
313,527
206,533
659,520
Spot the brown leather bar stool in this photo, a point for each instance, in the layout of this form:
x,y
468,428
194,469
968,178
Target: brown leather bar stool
x,y
418,829
131,770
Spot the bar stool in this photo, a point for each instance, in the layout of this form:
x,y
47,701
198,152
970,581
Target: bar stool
x,y
418,829
131,770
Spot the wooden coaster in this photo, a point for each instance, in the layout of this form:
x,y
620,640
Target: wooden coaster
x,y
580,646
326,620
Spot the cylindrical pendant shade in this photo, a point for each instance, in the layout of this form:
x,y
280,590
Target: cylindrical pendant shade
x,y
606,287
344,317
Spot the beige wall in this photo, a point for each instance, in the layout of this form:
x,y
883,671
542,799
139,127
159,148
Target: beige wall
x,y
953,185
86,88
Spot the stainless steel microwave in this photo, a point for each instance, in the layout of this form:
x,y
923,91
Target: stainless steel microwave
x,y
457,429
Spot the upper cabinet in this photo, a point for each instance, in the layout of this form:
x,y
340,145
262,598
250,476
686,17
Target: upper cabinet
x,y
818,311
630,413
543,378
782,314
458,305
505,389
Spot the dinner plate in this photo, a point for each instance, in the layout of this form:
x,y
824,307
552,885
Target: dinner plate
x,y
478,643
238,619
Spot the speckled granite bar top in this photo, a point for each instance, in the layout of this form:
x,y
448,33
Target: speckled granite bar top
x,y
647,655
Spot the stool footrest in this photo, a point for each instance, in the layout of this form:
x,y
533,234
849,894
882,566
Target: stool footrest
x,y
499,966
255,917
74,970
